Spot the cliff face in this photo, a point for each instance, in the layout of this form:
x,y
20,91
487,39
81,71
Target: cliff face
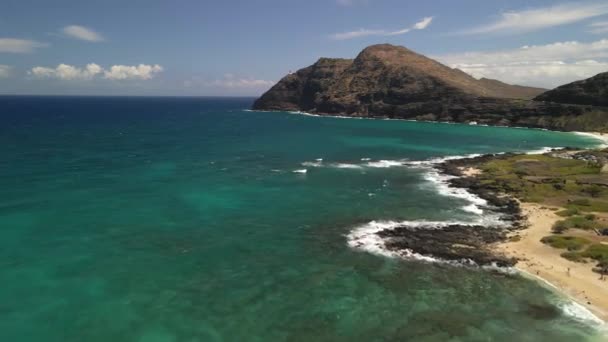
x,y
394,82
592,91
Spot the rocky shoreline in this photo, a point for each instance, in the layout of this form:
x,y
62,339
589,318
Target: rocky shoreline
x,y
463,243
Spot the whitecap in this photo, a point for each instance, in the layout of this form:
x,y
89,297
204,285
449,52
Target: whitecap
x,y
303,171
316,163
385,163
365,238
580,313
346,166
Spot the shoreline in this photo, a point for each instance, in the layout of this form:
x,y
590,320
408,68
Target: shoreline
x,y
603,136
533,259
543,263
540,263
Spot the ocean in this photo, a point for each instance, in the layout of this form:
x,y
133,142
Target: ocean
x,y
193,219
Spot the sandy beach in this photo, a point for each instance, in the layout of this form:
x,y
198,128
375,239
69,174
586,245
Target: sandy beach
x,y
576,280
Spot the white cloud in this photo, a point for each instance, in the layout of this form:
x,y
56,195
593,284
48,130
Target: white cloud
x,y
5,70
123,72
82,33
547,65
67,72
540,18
231,81
19,45
421,25
600,27
92,70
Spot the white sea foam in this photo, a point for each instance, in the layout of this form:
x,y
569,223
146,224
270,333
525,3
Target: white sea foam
x,y
441,184
602,138
579,312
303,171
346,166
365,238
316,163
543,150
385,163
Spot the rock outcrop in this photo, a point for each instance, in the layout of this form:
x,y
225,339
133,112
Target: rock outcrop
x,y
592,91
393,82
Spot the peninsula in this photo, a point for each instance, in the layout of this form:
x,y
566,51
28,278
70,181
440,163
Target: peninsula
x,y
388,81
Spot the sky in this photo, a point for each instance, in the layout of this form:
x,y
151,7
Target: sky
x,y
241,48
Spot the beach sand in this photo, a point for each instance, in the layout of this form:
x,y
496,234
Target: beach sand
x,y
470,171
576,280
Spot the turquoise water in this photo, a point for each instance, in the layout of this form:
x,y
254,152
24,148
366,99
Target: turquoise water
x,y
167,219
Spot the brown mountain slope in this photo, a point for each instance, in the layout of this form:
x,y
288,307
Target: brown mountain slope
x,y
511,91
379,70
592,91
392,81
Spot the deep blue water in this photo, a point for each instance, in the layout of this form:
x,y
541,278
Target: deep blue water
x,y
182,219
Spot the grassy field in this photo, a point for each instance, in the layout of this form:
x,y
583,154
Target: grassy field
x,y
548,180
576,188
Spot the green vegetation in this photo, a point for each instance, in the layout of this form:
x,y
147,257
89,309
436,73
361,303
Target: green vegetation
x,y
571,243
579,249
581,222
568,212
577,185
573,256
597,252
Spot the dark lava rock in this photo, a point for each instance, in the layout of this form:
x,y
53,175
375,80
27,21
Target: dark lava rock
x,y
592,91
453,242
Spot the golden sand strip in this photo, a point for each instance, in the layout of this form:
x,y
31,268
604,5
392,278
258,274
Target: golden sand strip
x,y
577,280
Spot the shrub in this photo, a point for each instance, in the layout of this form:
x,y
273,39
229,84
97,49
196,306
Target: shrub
x,y
573,256
571,243
580,222
597,252
568,212
593,190
582,202
560,227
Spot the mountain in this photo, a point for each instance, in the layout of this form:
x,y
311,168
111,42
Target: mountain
x,y
511,91
592,91
394,82
381,74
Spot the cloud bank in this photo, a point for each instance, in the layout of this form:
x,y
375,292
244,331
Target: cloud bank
x,y
231,81
92,70
547,65
13,45
5,70
540,18
421,25
82,33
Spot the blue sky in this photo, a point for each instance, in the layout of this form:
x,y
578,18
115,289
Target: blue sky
x,y
241,47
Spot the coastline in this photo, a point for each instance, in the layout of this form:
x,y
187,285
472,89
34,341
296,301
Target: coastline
x,y
541,262
538,262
